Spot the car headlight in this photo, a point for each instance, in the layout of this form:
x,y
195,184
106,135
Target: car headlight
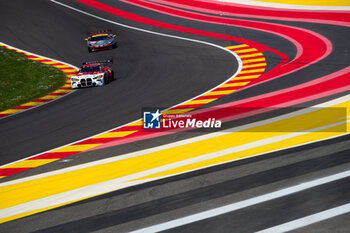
x,y
98,76
74,79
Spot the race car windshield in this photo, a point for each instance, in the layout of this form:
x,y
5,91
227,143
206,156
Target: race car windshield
x,y
90,69
97,38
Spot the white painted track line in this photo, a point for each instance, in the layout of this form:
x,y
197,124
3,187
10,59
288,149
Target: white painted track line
x,y
308,220
242,204
112,185
188,141
286,6
195,139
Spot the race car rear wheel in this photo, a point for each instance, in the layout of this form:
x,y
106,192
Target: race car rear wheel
x,y
89,49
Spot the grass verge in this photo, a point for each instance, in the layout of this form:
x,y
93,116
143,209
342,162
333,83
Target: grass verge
x,y
23,80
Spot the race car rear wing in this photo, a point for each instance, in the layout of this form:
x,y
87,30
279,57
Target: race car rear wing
x,y
103,61
98,32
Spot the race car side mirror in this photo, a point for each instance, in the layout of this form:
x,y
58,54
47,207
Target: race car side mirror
x,y
86,38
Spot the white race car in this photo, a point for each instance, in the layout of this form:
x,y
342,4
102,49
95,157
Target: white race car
x,y
92,74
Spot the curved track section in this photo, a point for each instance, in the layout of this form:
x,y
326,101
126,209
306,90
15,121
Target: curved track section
x,y
152,71
147,186
68,70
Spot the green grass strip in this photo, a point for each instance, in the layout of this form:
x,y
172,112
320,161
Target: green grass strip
x,y
23,80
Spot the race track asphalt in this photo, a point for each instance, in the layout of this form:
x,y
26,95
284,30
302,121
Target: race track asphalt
x,y
151,70
157,71
167,199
